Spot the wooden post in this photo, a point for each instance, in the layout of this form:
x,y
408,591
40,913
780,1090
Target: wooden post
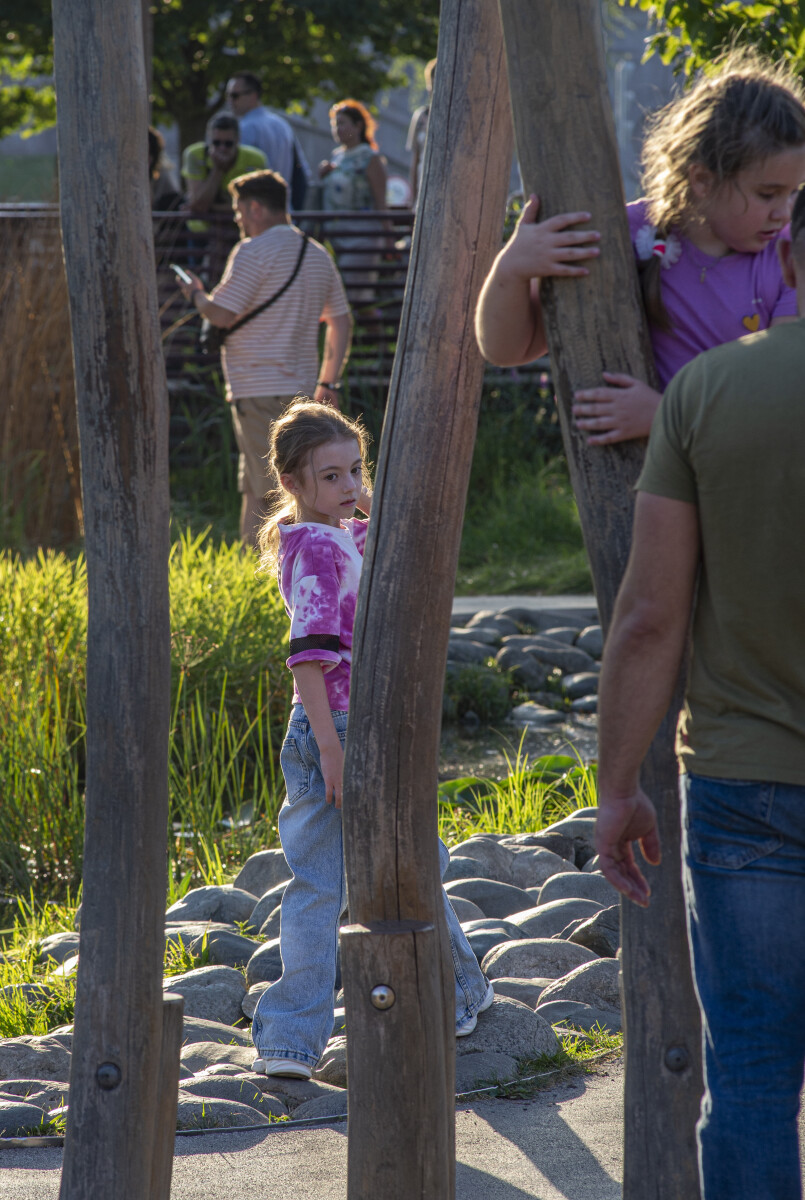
x,y
168,1095
568,155
122,413
401,1058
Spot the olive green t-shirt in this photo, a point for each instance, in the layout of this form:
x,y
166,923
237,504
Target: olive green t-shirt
x,y
729,437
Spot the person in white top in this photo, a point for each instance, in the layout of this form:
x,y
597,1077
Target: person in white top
x,y
274,356
270,133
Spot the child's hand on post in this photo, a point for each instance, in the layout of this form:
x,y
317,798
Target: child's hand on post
x,y
619,412
540,248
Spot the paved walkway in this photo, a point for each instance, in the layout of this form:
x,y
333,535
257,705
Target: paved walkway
x,y
565,1144
581,605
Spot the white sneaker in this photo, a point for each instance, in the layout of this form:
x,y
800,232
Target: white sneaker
x,y
290,1068
466,1027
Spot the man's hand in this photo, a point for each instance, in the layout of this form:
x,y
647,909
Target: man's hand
x,y
622,410
621,822
332,768
323,395
540,248
187,289
223,157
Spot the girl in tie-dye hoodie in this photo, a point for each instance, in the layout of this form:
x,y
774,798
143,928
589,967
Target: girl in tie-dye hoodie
x,y
315,543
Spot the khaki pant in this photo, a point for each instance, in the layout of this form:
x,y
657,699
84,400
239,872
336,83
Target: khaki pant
x,y
253,418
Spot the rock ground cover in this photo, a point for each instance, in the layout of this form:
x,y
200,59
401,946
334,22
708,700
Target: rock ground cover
x,y
542,981
541,919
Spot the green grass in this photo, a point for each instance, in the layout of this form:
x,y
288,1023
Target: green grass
x,y
230,695
180,958
35,1015
521,527
521,530
532,796
28,177
577,1055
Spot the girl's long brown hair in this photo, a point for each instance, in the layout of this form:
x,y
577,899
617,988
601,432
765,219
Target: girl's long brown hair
x,y
746,109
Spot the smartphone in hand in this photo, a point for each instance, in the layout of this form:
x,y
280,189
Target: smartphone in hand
x,y
180,273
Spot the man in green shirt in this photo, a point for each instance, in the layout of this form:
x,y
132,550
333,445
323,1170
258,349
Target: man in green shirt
x,y
209,167
721,500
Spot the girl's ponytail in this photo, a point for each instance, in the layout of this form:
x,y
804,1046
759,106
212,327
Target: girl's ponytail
x,y
649,272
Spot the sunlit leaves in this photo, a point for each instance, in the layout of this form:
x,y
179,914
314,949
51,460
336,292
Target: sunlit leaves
x,y
324,48
690,35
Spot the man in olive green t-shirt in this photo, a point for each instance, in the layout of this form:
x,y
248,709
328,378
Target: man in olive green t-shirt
x,y
209,167
721,500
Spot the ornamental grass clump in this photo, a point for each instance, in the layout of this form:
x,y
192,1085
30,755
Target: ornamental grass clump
x,y
230,698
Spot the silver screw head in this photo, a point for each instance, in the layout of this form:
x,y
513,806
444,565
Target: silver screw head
x,y
382,996
676,1058
108,1076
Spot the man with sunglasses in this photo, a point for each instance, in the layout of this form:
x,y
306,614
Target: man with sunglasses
x,y
209,167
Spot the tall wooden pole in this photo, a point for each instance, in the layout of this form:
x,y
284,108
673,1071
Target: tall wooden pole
x,y
401,1042
568,155
122,411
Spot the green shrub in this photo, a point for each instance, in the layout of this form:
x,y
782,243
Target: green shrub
x,y
476,688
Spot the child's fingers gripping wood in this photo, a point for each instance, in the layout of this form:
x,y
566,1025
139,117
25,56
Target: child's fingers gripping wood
x,y
551,247
622,409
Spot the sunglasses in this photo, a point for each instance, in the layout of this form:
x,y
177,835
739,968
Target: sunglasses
x,y
222,142
236,95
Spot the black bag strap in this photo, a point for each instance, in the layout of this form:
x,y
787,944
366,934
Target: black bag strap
x,y
267,303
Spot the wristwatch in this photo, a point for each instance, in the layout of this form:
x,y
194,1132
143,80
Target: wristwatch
x,y
331,387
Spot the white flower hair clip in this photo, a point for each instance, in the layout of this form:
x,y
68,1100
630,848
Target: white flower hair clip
x,y
649,245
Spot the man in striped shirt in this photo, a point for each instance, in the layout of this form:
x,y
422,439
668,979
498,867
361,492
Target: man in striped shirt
x,y
273,357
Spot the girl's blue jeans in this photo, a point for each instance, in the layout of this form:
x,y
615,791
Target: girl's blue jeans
x,y
294,1018
744,870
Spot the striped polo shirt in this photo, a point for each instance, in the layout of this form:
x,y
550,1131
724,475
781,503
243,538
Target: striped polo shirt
x,y
277,353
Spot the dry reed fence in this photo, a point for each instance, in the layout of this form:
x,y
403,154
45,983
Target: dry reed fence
x,y
40,491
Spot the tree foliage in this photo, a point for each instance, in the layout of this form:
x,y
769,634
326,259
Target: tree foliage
x,y
691,34
302,51
26,55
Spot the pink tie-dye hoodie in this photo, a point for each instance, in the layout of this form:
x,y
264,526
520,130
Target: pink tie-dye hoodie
x,y
318,571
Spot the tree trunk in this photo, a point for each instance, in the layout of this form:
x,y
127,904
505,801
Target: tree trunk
x,y
568,156
122,412
402,1057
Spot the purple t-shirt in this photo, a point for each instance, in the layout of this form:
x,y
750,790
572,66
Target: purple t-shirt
x,y
710,300
318,571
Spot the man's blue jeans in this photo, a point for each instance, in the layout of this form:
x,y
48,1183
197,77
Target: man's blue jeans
x,y
744,873
294,1017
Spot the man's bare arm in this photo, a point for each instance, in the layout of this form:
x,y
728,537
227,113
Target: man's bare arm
x,y
201,193
641,662
337,340
216,314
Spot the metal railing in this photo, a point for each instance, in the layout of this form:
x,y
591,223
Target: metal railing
x,y
371,250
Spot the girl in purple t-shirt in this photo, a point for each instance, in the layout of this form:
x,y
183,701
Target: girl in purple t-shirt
x,y
314,541
722,165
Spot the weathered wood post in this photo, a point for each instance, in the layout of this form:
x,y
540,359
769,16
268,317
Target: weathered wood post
x,y
401,1057
122,412
568,155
